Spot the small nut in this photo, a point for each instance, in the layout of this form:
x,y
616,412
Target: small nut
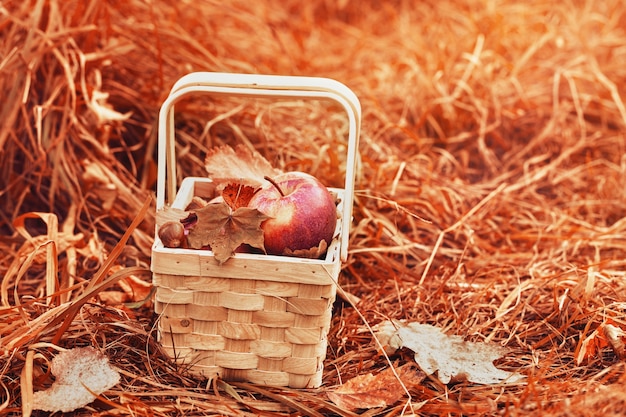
x,y
172,234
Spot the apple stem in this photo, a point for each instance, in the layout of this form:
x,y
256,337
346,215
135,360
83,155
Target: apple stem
x,y
275,185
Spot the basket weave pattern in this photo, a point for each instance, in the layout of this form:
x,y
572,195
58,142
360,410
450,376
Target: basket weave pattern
x,y
262,331
257,318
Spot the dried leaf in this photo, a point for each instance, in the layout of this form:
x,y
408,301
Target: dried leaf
x,y
451,356
590,346
133,290
615,336
238,195
103,111
240,165
607,334
371,391
170,214
196,203
224,229
316,252
80,373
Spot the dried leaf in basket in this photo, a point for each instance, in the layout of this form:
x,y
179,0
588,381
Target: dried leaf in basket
x,y
224,229
240,165
238,195
316,252
170,214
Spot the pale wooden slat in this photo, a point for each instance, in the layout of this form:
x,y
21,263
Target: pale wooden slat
x,y
203,312
272,379
238,301
239,331
236,360
191,262
303,336
307,306
271,350
305,381
282,319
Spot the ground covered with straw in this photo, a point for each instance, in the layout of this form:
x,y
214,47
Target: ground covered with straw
x,y
490,203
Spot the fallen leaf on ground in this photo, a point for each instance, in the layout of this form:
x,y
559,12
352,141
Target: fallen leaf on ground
x,y
80,373
451,356
134,291
372,391
103,111
224,229
607,334
615,335
590,346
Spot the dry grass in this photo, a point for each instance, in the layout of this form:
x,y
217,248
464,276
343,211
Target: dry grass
x,y
491,195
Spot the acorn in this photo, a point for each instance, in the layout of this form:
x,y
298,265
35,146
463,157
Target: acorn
x,y
172,234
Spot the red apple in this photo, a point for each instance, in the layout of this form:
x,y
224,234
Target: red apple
x,y
301,209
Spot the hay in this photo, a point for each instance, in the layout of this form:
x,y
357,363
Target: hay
x,y
491,194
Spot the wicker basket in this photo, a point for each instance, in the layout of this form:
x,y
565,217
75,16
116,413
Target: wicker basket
x,y
257,318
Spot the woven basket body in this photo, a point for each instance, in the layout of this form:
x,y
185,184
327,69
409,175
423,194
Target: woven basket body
x,y
257,318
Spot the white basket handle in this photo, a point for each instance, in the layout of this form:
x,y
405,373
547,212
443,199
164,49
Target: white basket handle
x,y
253,85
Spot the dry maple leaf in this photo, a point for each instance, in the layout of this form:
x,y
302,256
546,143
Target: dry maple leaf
x,y
80,373
240,165
224,229
372,391
238,195
450,356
